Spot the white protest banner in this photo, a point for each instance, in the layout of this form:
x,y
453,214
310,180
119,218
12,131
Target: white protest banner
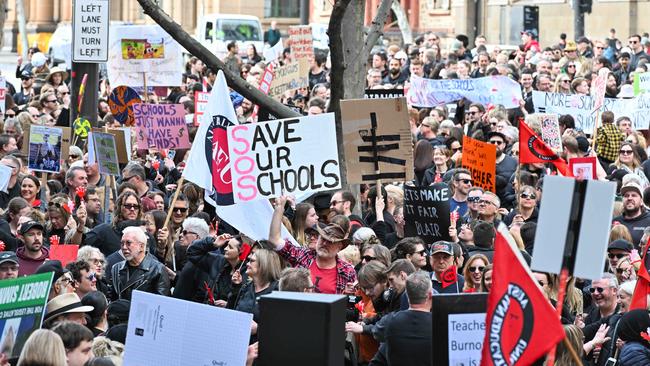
x,y
301,41
5,174
487,90
466,335
200,105
290,77
293,155
580,107
136,49
90,30
272,53
167,331
3,93
641,83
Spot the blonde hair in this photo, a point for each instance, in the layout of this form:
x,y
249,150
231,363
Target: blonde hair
x,y
620,232
574,335
43,348
104,347
269,264
395,193
467,274
350,254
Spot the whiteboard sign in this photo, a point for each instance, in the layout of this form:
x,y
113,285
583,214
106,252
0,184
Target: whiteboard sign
x,y
466,333
90,30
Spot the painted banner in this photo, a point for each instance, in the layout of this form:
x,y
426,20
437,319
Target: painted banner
x,y
161,125
138,49
480,158
290,77
301,41
580,107
487,90
200,105
426,212
641,83
106,153
598,88
295,155
45,149
550,127
121,103
22,307
386,122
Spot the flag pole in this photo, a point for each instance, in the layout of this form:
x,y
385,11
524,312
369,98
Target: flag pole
x,y
563,282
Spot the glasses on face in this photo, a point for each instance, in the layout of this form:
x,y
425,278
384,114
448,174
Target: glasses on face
x,y
64,93
596,289
565,81
74,156
97,261
180,209
131,207
571,66
334,203
621,270
528,196
368,258
186,232
25,79
600,47
486,202
10,115
476,268
471,113
457,149
541,283
616,255
626,152
422,252
128,243
52,101
125,179
91,277
476,199
496,142
465,181
633,42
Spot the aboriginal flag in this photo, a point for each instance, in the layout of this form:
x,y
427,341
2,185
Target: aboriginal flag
x,y
533,149
521,325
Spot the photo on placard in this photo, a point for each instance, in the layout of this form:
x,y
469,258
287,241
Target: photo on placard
x,y
583,168
9,335
45,149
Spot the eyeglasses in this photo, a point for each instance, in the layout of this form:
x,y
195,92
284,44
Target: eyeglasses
x,y
180,209
131,207
10,115
368,258
616,255
493,123
495,142
528,196
186,232
52,101
566,81
457,149
125,179
25,79
64,93
97,261
74,156
570,66
594,289
128,243
541,283
91,277
476,268
486,202
465,181
621,270
626,152
599,47
334,203
422,252
476,199
471,113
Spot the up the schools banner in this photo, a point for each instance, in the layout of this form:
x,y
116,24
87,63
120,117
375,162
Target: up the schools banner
x,y
487,90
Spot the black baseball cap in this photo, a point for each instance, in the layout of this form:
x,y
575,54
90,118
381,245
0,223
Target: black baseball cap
x,y
621,244
8,256
30,225
52,266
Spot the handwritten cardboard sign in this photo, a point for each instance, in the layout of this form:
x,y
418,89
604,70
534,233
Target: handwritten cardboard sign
x,y
296,155
392,135
301,41
426,212
480,158
550,127
641,83
290,77
161,125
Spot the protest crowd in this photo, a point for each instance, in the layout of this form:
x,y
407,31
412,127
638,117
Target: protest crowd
x,y
105,237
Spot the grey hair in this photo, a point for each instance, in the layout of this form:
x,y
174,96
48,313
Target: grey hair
x,y
13,122
418,287
611,279
138,232
86,252
72,172
134,169
628,287
447,124
196,225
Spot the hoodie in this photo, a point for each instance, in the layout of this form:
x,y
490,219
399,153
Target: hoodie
x,y
28,266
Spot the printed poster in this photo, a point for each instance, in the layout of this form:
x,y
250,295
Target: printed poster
x,y
45,149
106,153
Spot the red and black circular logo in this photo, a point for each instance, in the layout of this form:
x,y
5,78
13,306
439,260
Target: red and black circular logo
x,y
535,146
514,312
216,151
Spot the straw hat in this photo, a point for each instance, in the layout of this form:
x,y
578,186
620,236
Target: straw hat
x,y
65,304
54,70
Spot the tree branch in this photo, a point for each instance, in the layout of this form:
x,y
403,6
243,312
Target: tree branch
x,y
195,48
377,26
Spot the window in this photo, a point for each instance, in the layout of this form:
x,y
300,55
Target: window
x,y
433,5
209,31
282,8
238,30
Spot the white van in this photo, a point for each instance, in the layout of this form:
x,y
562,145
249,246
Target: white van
x,y
215,31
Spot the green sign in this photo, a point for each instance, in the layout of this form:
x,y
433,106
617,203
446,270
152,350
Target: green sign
x,y
22,307
106,153
641,83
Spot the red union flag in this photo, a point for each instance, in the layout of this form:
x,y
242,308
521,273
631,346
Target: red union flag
x,y
521,325
533,149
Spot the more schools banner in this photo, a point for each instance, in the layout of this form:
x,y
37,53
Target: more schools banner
x,y
487,90
581,106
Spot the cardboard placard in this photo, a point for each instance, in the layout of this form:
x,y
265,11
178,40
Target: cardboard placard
x,y
583,168
426,212
161,125
550,127
122,142
290,77
598,88
65,253
480,158
44,153
106,153
65,141
383,93
269,158
23,309
393,139
641,83
302,42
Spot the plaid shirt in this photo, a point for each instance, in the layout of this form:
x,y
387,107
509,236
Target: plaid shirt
x,y
609,141
304,257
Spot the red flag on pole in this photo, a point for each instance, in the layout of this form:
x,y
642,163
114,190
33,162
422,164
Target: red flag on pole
x,y
449,277
521,325
533,149
642,288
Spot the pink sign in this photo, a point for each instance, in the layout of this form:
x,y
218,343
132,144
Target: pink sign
x,y
598,91
161,125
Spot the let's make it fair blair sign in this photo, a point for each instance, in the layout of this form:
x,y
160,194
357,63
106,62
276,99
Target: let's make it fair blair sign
x,y
296,155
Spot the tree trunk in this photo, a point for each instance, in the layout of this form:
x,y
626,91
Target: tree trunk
x,y
402,22
355,60
195,48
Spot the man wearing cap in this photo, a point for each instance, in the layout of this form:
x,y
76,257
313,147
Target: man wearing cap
x,y
65,307
617,251
27,88
140,270
635,216
8,265
32,254
441,259
329,274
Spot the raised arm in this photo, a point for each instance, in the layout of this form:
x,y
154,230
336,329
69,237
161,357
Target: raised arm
x,y
275,231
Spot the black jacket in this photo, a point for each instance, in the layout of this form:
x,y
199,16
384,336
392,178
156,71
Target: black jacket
x,y
107,238
246,300
150,276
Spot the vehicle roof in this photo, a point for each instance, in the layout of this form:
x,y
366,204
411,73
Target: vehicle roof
x,y
230,16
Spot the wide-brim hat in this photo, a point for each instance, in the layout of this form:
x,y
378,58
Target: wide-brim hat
x,y
54,70
66,304
571,46
334,234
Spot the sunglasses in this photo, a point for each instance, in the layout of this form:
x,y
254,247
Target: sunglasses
x,y
529,196
64,93
465,181
181,209
617,255
455,150
620,270
368,258
495,142
541,283
476,199
626,152
132,207
476,268
185,232
484,202
594,289
421,252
